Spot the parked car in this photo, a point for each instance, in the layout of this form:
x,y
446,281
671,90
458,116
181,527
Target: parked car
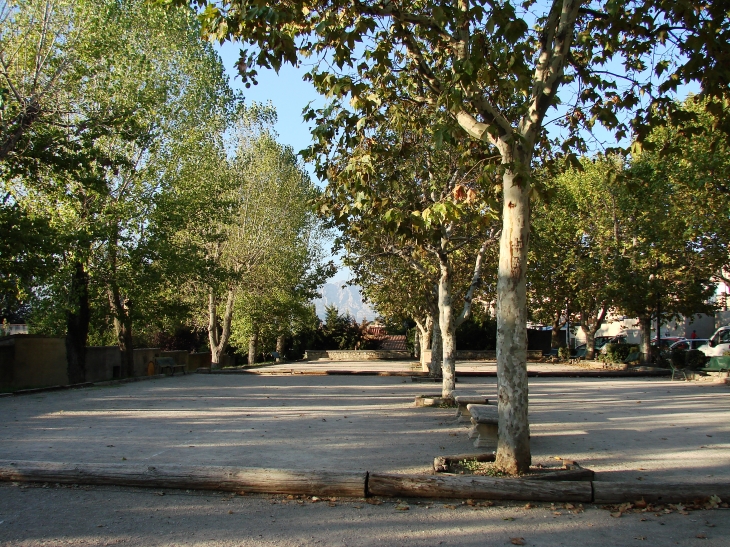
x,y
666,341
689,343
719,343
600,342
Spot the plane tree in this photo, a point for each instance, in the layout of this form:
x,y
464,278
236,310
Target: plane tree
x,y
495,69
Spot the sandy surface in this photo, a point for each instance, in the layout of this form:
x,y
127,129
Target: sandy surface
x,y
628,429
625,429
33,517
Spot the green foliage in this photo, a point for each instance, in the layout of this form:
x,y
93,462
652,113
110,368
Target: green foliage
x,y
678,358
339,331
695,359
478,333
564,353
616,353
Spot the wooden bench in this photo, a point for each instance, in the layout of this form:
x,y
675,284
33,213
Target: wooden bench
x,y
168,363
462,412
485,425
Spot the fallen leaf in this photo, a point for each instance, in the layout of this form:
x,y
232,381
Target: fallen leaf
x,y
230,512
569,506
517,541
640,537
450,506
641,504
616,514
373,501
557,513
508,518
701,535
402,507
529,506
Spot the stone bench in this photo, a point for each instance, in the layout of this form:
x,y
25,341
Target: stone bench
x,y
485,425
462,412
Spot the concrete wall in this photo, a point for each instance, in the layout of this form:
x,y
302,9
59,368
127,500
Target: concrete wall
x,y
356,354
33,361
29,361
101,362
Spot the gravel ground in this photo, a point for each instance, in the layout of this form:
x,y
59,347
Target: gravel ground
x,y
625,429
36,516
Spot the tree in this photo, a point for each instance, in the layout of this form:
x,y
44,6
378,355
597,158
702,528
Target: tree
x,y
399,193
496,78
574,246
138,79
265,240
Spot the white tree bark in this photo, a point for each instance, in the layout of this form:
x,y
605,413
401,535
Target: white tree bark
x,y
448,328
513,450
424,340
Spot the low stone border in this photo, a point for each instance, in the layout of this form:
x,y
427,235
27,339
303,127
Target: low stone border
x,y
35,390
324,483
423,376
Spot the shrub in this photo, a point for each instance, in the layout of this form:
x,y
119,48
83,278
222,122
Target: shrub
x,y
564,353
616,353
695,359
678,358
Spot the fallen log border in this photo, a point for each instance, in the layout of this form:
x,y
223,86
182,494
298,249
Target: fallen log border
x,y
355,484
232,479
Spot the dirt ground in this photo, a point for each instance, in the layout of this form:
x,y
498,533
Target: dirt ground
x,y
101,516
625,429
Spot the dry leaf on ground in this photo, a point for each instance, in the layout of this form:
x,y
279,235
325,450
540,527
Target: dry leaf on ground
x,y
517,541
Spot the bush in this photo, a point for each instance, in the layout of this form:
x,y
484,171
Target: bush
x,y
695,359
617,353
564,353
678,358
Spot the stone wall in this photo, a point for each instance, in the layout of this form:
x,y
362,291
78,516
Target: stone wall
x,y
28,361
484,355
356,354
33,361
103,363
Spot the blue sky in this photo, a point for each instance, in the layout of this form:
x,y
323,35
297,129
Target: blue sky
x,y
287,91
289,94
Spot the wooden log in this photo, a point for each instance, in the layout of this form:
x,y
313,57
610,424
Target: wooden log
x,y
578,474
663,492
247,479
472,487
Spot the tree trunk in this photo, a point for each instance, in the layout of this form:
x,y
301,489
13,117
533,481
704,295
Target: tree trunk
x,y
591,329
513,449
423,330
253,347
448,328
556,340
77,325
123,329
590,343
219,340
645,329
281,347
437,349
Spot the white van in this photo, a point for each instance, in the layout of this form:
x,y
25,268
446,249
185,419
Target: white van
x,y
719,343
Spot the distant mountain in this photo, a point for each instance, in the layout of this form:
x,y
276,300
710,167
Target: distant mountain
x,y
347,300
